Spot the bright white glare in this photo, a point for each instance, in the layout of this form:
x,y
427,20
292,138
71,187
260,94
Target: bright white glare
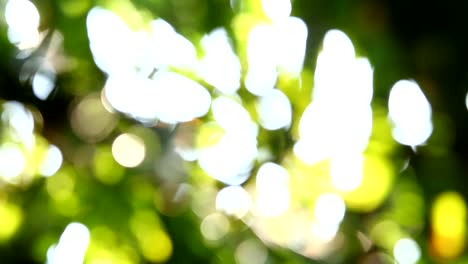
x,y
220,66
231,158
229,114
169,48
358,124
18,117
339,119
21,14
309,152
43,82
410,113
169,96
323,232
12,160
272,185
329,212
52,161
271,176
291,44
215,226
118,49
329,209
338,44
133,95
279,46
234,200
406,251
71,247
354,84
262,74
317,131
110,40
277,9
21,120
250,251
466,100
23,20
180,98
274,110
24,39
363,79
43,85
346,171
128,150
339,76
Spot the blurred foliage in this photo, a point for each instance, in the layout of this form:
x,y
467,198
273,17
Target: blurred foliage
x,y
162,207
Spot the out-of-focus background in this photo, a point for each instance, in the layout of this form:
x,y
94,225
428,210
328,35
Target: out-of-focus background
x,y
241,131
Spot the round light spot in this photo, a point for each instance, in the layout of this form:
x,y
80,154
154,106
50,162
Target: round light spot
x,y
12,217
21,120
234,200
12,160
448,224
52,161
155,244
230,146
128,150
21,13
23,20
329,208
274,110
251,251
410,112
215,226
43,83
338,44
406,251
91,121
72,245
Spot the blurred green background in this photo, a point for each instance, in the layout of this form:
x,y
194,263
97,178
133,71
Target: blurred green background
x,y
233,131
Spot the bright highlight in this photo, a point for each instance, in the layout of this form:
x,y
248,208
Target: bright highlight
x,y
71,247
234,200
410,113
272,185
448,219
23,20
407,251
128,150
